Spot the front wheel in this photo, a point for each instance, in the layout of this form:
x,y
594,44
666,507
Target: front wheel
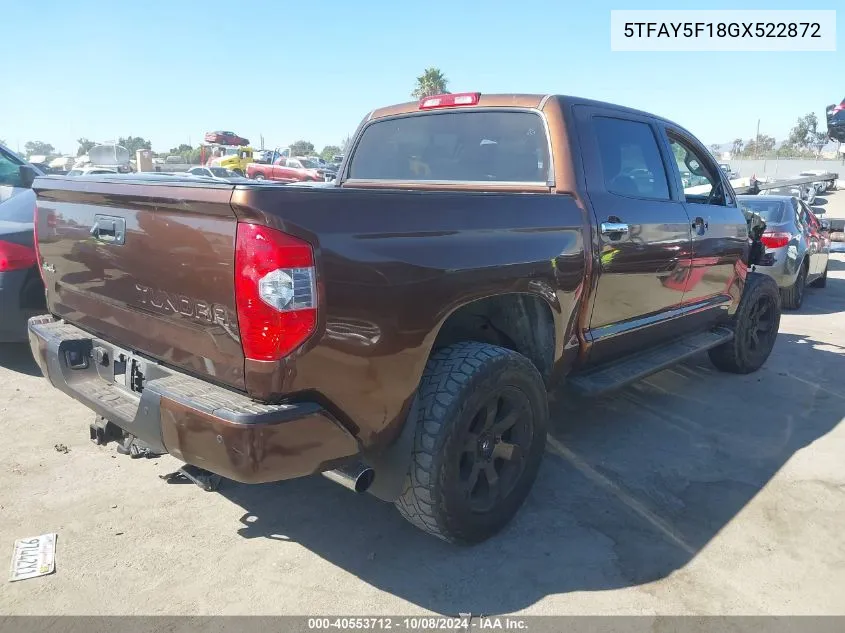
x,y
755,327
259,177
480,436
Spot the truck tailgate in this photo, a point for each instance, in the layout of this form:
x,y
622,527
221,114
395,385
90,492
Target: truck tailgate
x,y
147,267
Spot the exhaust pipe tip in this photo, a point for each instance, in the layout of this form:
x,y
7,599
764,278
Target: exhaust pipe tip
x,y
356,477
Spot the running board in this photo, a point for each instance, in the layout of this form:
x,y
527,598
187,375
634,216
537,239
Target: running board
x,y
616,374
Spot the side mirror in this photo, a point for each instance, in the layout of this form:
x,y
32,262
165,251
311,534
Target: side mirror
x,y
27,176
824,225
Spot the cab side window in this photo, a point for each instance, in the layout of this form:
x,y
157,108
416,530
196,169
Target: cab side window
x,y
702,184
630,159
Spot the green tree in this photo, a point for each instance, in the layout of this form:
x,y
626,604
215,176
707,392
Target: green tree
x,y
189,154
84,146
806,135
329,151
760,146
134,143
183,148
736,150
716,149
302,148
431,82
38,148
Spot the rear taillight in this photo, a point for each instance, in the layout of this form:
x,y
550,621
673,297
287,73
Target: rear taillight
x,y
275,291
775,240
450,100
16,256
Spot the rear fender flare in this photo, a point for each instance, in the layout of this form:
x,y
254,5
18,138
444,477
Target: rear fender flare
x,y
391,463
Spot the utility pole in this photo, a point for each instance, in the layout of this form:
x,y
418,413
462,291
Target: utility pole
x,y
757,141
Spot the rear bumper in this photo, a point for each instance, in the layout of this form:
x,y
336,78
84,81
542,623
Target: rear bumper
x,y
197,422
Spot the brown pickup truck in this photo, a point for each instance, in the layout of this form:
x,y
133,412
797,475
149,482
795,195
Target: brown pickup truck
x,y
398,329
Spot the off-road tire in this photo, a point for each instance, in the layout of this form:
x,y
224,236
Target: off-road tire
x,y
737,356
821,282
457,383
793,297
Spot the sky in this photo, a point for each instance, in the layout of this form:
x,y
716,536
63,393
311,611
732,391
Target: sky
x,y
170,70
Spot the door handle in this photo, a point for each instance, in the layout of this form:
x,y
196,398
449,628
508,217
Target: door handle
x,y
613,227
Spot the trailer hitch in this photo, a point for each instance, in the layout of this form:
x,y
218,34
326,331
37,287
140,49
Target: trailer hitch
x,y
206,480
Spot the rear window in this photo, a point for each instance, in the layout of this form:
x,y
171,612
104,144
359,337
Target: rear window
x,y
772,211
474,146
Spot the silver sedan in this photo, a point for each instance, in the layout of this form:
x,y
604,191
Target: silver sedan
x,y
797,247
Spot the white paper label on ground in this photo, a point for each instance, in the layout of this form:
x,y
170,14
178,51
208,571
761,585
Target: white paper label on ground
x,y
33,557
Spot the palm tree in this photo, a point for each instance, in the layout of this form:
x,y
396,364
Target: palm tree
x,y
736,150
431,82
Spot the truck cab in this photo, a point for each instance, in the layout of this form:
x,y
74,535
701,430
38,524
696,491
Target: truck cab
x,y
399,329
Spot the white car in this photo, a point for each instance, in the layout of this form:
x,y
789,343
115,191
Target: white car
x,y
88,171
214,172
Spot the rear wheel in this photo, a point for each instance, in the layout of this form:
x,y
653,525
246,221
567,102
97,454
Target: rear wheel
x,y
259,177
755,328
793,297
479,441
821,282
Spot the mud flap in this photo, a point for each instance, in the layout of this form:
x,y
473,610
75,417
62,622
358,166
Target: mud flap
x,y
391,465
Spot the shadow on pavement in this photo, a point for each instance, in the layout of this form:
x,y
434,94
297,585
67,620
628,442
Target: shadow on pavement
x,y
632,487
18,357
827,300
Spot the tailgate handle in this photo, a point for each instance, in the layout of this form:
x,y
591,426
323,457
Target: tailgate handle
x,y
109,229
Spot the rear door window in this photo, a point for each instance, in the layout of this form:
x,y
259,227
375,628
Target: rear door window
x,y
469,146
630,159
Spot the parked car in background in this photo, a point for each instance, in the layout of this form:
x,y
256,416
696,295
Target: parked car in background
x,y
822,185
728,171
796,249
225,138
287,170
836,121
213,172
806,192
88,171
21,288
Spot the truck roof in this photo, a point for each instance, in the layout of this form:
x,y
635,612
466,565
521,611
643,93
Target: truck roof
x,y
514,100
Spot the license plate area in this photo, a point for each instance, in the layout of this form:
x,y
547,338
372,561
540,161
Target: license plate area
x,y
129,371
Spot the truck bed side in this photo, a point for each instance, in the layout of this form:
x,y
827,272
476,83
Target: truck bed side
x,y
393,265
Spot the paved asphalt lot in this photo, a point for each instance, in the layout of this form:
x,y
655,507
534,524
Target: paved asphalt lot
x,y
690,492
